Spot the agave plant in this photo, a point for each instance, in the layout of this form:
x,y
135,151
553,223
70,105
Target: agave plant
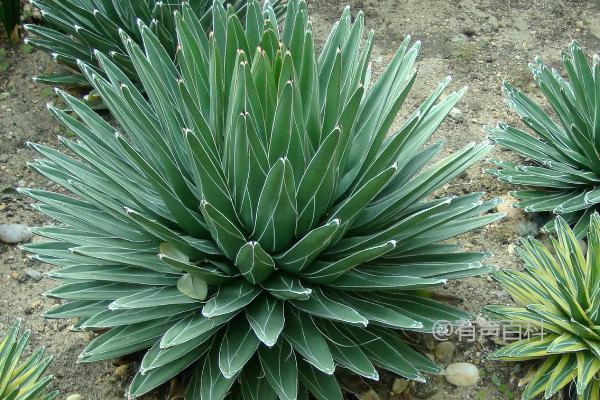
x,y
10,16
22,380
560,295
74,29
564,170
293,234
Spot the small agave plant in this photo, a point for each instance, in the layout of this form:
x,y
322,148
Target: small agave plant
x,y
560,295
563,175
23,380
74,29
294,234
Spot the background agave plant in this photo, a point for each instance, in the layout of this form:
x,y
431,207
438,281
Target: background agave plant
x,y
22,380
294,235
74,29
564,173
10,16
560,294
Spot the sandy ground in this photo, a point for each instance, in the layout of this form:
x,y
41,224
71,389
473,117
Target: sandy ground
x,y
479,43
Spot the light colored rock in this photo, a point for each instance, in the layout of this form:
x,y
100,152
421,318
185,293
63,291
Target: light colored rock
x,y
456,115
507,208
14,233
399,385
444,351
579,24
34,274
75,396
122,370
462,374
511,249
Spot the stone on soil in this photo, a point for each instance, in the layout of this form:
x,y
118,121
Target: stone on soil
x,y
14,233
456,115
444,351
34,274
462,374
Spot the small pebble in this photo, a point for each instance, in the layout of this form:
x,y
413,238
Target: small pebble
x,y
579,24
456,115
75,396
36,305
34,274
14,233
462,374
19,277
511,249
444,351
122,370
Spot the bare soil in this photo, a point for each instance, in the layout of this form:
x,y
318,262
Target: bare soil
x,y
479,43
